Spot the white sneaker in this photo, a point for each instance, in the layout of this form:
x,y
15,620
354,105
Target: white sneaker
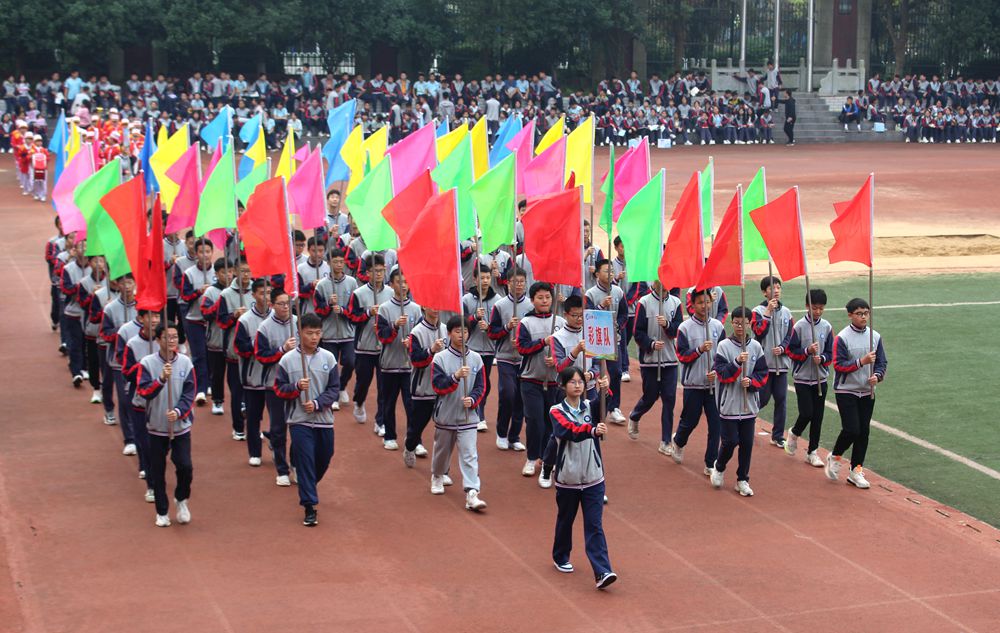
x,y
162,520
616,417
183,513
792,443
626,377
708,471
254,461
283,481
744,489
142,475
200,398
446,480
518,447
503,444
239,437
437,485
832,467
150,496
857,478
482,427
216,410
390,445
109,419
85,374
409,459
677,452
717,479
77,380
633,429
666,448
420,451
344,398
529,469
129,449
814,460
96,397
543,481
360,415
379,430
209,392
335,406
473,502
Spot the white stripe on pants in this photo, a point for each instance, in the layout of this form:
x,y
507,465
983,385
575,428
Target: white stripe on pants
x,y
468,458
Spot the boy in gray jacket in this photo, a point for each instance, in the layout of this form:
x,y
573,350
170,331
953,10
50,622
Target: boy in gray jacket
x,y
811,351
393,324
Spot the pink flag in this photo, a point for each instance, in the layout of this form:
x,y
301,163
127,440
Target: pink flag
x,y
216,157
523,144
306,192
185,173
631,174
302,153
78,169
411,157
544,174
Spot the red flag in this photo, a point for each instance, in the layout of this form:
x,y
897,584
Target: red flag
x,y
571,181
553,240
684,256
402,211
780,224
429,254
264,231
126,204
152,294
725,264
853,234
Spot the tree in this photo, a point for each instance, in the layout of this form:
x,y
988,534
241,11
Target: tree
x,y
895,16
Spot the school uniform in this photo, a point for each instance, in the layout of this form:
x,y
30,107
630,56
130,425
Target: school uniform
x,y
230,300
309,277
366,345
539,388
422,394
479,340
504,263
55,246
658,367
338,329
194,279
774,331
855,397
738,413
620,308
208,305
394,359
268,350
810,379
116,314
698,392
138,346
176,273
510,407
311,433
95,320
91,354
454,424
72,275
251,373
719,308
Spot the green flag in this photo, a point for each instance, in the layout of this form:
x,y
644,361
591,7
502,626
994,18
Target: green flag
x,y
366,201
755,196
103,236
707,208
608,189
641,228
494,198
455,172
246,186
217,206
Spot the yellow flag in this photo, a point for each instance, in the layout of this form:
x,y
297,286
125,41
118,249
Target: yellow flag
x,y
353,155
168,150
580,156
73,142
375,145
286,162
258,151
480,149
554,134
447,143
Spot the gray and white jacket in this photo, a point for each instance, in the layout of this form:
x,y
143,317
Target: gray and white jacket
x,y
773,331
268,345
395,357
324,386
848,348
362,299
804,369
422,339
449,412
531,334
337,328
251,370
503,339
648,330
479,339
729,395
152,394
696,364
578,455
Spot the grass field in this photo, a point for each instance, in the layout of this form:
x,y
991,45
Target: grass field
x,y
940,385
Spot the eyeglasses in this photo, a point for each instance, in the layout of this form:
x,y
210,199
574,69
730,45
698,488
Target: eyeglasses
x,y
861,313
576,381
281,304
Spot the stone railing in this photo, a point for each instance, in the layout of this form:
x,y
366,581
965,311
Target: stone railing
x,y
826,80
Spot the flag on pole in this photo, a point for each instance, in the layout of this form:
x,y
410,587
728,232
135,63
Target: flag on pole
x,y
429,256
641,228
455,171
580,157
376,145
252,135
217,207
152,293
853,229
522,144
307,193
245,187
551,135
401,212
166,155
286,161
126,206
73,141
411,157
511,126
450,141
754,248
442,129
265,232
707,205
186,172
103,237
725,263
606,221
77,170
365,204
546,172
339,121
495,200
148,149
354,157
57,145
684,255
219,129
780,225
631,173
480,148
553,239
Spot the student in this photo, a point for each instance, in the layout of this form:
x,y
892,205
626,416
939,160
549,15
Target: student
x,y
117,313
180,265
742,371
361,308
772,327
196,280
89,286
168,418
460,384
579,475
233,303
719,308
854,388
102,298
76,268
55,245
309,398
618,276
696,338
477,306
426,339
251,371
313,270
539,388
507,313
140,343
394,322
609,297
811,351
329,300
275,338
208,305
658,315
568,345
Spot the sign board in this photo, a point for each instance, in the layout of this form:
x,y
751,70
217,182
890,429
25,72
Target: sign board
x,y
599,334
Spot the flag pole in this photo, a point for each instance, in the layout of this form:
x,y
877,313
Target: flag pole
x,y
294,271
465,381
711,193
743,341
770,274
805,261
871,276
663,194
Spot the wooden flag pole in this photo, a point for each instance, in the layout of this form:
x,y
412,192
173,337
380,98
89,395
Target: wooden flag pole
x,y
743,343
809,315
293,302
871,278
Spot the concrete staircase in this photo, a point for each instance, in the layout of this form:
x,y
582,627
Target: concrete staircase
x,y
817,122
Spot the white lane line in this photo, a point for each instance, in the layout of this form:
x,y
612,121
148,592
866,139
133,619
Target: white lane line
x,y
928,305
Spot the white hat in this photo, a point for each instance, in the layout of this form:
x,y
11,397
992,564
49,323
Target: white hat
x,y
21,123
29,134
113,111
115,135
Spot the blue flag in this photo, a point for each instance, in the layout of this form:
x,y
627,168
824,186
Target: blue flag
x,y
442,129
148,149
219,129
340,121
507,131
250,130
57,145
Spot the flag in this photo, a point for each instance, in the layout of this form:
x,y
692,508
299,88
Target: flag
x,y
495,199
754,248
480,149
302,153
551,135
580,157
608,189
166,155
429,257
684,255
553,237
255,149
245,187
522,144
450,141
853,229
152,294
707,206
725,263
511,126
186,172
148,149
365,204
631,173
376,145
546,172
217,207
411,157
641,228
339,121
286,161
442,129
73,140
401,212
780,225
219,129
354,157
307,193
264,230
77,170
126,206
57,145
250,129
455,171
103,237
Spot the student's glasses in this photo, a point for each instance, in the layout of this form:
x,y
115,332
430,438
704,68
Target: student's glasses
x,y
575,382
861,313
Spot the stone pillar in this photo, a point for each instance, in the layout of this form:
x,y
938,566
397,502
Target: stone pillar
x,y
823,36
864,34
